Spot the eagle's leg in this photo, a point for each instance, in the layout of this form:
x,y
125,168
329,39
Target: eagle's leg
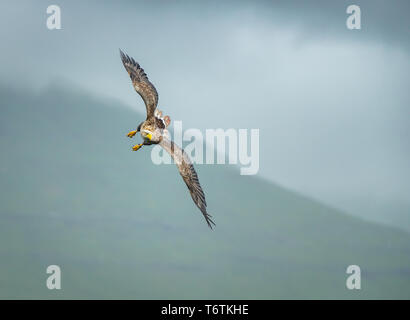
x,y
137,147
132,133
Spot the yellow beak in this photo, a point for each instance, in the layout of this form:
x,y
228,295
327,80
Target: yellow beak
x,y
149,136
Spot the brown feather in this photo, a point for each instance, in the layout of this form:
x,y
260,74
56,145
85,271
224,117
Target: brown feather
x,y
141,83
188,173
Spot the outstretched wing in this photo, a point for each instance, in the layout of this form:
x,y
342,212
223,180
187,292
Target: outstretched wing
x,y
141,83
188,173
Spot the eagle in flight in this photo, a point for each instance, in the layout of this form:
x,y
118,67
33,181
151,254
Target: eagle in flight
x,y
154,131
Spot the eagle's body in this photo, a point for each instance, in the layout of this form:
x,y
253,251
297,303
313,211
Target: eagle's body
x,y
154,131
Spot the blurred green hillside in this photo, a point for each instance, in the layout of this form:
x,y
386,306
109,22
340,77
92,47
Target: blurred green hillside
x,y
72,193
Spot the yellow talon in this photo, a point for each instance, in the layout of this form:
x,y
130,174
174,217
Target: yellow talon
x,y
137,146
131,133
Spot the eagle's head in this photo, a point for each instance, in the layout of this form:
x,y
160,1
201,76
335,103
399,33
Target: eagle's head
x,y
146,135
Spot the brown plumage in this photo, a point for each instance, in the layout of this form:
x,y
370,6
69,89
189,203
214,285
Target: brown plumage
x,y
154,131
188,173
141,83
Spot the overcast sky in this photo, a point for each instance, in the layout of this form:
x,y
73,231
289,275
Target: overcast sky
x,y
332,104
